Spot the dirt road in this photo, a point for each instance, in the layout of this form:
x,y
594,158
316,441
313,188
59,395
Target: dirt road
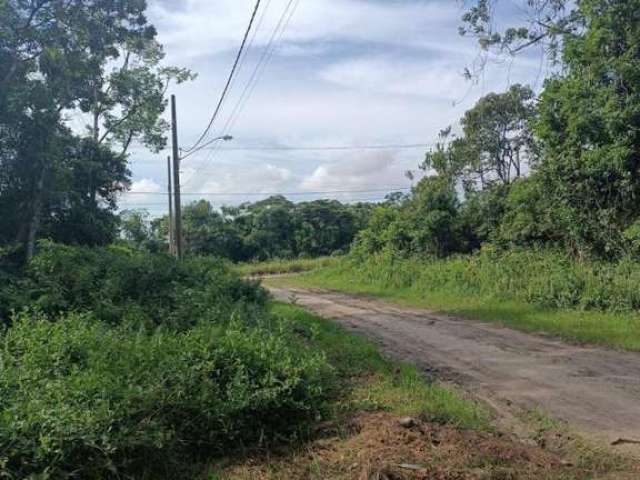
x,y
595,390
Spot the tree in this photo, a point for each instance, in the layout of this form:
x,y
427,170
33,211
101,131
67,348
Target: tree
x,y
87,178
497,144
527,217
57,57
589,128
270,228
135,226
543,22
272,233
208,232
323,227
432,217
425,223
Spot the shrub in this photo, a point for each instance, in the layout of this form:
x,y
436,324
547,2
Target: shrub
x,y
117,284
82,399
545,277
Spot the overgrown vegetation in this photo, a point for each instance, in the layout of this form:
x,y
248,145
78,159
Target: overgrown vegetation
x,y
361,437
83,399
121,285
118,362
106,372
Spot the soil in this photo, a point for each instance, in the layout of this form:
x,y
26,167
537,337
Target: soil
x,y
595,390
375,446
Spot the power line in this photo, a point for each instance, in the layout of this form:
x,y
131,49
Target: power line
x,y
248,89
330,148
328,192
294,148
240,66
278,32
261,66
233,71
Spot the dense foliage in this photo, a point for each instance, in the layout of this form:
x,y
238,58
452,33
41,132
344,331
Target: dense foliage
x,y
79,398
119,285
268,229
118,361
548,278
564,172
590,131
94,60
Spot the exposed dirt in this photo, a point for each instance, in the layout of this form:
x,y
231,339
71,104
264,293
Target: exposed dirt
x,y
595,390
374,446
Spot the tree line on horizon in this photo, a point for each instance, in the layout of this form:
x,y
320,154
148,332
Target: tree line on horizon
x,y
254,231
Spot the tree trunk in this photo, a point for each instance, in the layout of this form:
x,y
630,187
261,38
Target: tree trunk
x,y
96,125
34,221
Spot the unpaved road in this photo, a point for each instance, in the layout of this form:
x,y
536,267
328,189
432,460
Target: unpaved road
x,y
595,390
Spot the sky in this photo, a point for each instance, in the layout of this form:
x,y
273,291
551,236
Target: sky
x,y
342,73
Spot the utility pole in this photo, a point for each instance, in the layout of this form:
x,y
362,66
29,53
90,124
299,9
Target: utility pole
x,y
177,239
170,183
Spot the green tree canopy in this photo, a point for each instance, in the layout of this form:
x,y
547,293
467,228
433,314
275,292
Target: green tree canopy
x,y
60,58
496,145
589,129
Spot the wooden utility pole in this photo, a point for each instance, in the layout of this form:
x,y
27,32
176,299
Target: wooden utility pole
x,y
177,238
170,183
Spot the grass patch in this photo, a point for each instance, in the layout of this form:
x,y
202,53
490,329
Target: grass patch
x,y
613,329
275,267
374,382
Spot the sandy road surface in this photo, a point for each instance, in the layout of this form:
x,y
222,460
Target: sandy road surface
x,y
596,390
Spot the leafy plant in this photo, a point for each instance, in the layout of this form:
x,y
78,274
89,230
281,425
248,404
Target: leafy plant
x,y
82,399
119,284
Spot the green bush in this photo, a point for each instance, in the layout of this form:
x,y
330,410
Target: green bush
x,y
82,399
118,284
545,277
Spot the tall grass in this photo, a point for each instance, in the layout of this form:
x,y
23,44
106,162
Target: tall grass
x,y
532,290
545,278
278,266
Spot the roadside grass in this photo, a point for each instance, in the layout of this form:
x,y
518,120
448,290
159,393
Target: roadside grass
x,y
374,382
617,330
275,267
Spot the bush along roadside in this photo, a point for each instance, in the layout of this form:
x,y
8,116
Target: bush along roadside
x,y
124,364
82,399
544,277
120,285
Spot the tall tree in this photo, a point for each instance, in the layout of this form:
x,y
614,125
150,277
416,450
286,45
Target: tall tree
x,y
497,145
590,130
60,56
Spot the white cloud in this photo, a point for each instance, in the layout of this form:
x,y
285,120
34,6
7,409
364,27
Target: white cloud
x,y
143,195
145,185
438,80
374,170
228,184
203,28
349,72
